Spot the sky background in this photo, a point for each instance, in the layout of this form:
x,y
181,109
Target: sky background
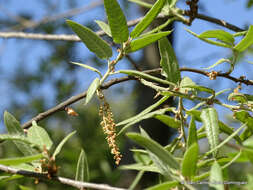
x,y
190,51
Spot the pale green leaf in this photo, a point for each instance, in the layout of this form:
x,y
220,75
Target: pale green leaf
x,y
88,67
168,61
20,160
141,3
246,42
218,62
39,136
82,168
93,42
216,179
105,27
218,34
164,186
186,81
144,41
140,167
189,163
14,128
169,121
148,18
21,187
92,89
192,133
117,21
60,145
155,148
209,117
239,97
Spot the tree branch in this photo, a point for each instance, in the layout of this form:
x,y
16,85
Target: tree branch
x,y
63,180
73,99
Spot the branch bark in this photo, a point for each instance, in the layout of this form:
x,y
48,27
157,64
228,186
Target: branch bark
x,y
63,180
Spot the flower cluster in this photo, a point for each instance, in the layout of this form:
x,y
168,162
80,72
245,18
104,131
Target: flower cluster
x,y
109,126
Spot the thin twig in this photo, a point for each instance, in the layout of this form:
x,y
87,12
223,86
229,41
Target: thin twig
x,y
73,99
131,60
63,180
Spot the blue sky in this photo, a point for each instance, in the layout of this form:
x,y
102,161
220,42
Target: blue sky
x,y
190,51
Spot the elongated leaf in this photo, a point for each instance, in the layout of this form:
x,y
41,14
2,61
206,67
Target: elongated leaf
x,y
168,61
200,88
239,97
37,135
93,42
140,167
88,67
92,89
210,41
4,179
21,187
82,169
27,167
186,81
246,42
14,128
141,3
155,148
218,62
147,110
20,160
59,147
244,117
117,21
210,119
145,41
216,179
146,76
228,130
164,186
189,164
169,121
218,34
105,27
192,133
148,18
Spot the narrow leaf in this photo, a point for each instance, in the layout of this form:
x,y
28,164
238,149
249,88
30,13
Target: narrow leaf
x,y
140,167
14,128
169,121
59,147
155,148
141,3
92,89
218,62
220,35
169,62
117,21
105,27
148,18
21,187
37,135
164,186
88,67
144,41
192,133
216,179
210,119
82,169
93,42
246,42
189,164
186,81
20,160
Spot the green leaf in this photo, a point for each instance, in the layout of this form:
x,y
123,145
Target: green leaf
x,y
228,130
148,18
144,41
220,35
218,62
246,42
14,128
155,148
192,133
88,67
27,166
141,3
93,42
117,21
168,61
244,117
140,167
164,186
92,89
21,187
210,119
186,81
239,97
189,164
169,121
209,41
82,168
37,135
105,27
60,145
216,179
200,88
4,179
146,76
20,160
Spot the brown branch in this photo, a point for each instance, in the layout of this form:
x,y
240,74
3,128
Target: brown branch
x,y
63,180
73,99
